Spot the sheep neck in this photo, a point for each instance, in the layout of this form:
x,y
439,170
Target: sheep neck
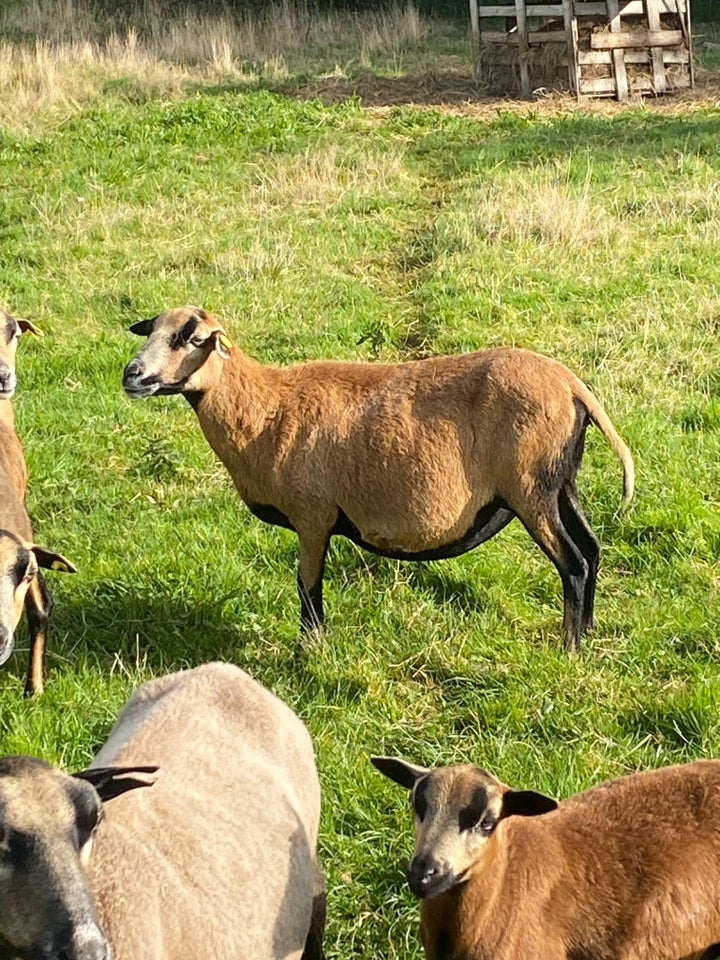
x,y
238,407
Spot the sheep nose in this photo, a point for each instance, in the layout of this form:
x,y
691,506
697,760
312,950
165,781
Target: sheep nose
x,y
133,370
7,644
87,943
8,381
423,874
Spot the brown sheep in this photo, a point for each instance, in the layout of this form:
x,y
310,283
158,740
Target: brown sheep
x,y
216,859
20,582
417,461
627,870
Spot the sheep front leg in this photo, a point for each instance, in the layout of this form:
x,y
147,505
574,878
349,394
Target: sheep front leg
x,y
310,579
38,606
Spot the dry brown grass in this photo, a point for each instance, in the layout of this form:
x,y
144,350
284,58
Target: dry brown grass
x,y
57,53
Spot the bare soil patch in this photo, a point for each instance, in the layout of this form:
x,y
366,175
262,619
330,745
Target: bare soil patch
x,y
457,91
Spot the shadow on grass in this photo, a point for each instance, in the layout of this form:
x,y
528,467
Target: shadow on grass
x,y
122,626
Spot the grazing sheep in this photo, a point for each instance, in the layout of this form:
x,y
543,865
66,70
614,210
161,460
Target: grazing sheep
x,y
216,859
628,870
20,581
416,461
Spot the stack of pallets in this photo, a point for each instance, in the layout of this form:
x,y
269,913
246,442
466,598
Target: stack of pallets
x,y
600,47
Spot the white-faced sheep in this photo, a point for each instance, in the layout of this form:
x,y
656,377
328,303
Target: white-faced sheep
x,y
20,582
417,461
628,870
216,858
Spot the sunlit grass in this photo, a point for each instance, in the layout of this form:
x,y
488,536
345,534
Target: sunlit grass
x,y
334,231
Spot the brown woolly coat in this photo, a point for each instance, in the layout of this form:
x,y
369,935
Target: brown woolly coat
x,y
628,870
217,858
410,452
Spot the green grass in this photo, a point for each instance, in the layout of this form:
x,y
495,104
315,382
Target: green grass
x,y
335,231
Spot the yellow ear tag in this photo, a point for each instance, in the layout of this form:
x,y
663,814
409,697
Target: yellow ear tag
x,y
225,341
59,565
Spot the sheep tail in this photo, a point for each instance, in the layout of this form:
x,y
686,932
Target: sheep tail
x,y
598,416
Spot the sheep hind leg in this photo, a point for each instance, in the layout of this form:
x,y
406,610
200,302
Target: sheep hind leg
x,y
578,528
311,569
38,606
547,530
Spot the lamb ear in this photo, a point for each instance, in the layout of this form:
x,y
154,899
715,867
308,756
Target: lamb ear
x,y
526,803
143,328
113,781
51,560
399,771
222,343
27,326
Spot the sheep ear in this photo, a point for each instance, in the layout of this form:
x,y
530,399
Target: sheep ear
x,y
222,343
143,328
27,326
526,803
113,781
51,560
399,771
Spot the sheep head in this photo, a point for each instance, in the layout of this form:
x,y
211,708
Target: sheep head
x,y
19,562
183,354
457,810
47,822
10,330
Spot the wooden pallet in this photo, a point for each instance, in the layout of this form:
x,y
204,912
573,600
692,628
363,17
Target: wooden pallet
x,y
611,47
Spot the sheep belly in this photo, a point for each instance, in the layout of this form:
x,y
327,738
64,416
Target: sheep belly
x,y
481,529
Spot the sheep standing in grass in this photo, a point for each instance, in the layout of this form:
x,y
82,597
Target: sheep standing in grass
x,y
20,581
417,461
216,858
628,870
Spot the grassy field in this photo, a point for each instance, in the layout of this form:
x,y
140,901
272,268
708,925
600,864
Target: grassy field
x,y
317,229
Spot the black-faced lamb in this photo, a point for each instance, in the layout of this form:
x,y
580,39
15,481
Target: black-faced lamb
x,y
627,870
417,461
215,857
21,584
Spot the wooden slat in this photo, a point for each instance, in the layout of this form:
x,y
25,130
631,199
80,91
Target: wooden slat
x,y
531,10
544,10
598,85
588,58
598,8
658,64
522,34
475,37
636,38
533,37
571,44
684,11
507,10
621,84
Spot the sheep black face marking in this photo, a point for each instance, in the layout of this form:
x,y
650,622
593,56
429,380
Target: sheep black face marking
x,y
183,337
474,814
